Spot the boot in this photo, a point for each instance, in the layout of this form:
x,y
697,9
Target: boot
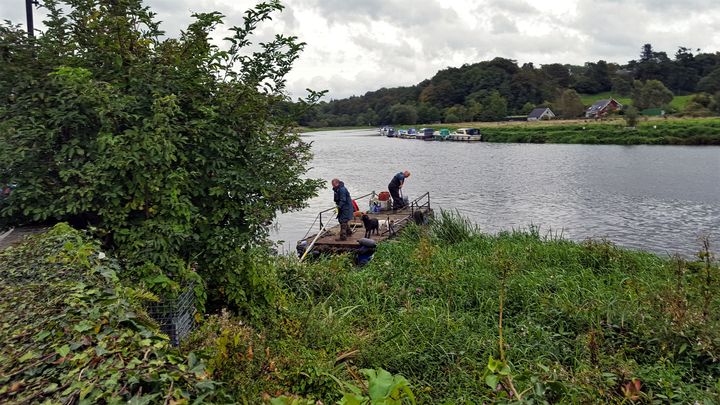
x,y
343,232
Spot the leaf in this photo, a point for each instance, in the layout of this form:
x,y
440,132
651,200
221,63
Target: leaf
x,y
379,384
28,356
491,380
83,326
63,351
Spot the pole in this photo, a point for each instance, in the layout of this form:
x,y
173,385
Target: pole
x,y
309,248
29,13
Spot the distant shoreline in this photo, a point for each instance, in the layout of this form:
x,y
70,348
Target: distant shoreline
x,y
650,131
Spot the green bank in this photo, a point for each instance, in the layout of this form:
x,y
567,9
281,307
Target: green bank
x,y
581,323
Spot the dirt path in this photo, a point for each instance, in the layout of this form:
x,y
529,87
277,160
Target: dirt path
x,y
16,235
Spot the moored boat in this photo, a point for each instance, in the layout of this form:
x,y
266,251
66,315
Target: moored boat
x,y
442,135
466,135
426,134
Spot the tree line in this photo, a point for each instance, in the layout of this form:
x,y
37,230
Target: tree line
x,y
492,90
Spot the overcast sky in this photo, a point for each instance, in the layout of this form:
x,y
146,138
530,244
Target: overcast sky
x,y
354,46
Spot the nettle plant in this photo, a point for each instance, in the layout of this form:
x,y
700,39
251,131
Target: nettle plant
x,y
177,152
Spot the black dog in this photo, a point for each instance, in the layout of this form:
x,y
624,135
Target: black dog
x,y
370,224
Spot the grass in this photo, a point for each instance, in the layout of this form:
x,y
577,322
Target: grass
x,y
590,99
583,322
678,102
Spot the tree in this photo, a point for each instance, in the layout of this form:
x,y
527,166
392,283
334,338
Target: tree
x,y
494,108
651,94
177,153
456,113
595,79
711,82
403,114
558,73
622,85
527,108
570,104
428,114
631,116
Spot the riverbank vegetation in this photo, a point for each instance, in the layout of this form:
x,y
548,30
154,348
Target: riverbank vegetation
x,y
454,316
649,132
655,131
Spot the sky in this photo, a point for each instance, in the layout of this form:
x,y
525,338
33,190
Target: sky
x,y
355,46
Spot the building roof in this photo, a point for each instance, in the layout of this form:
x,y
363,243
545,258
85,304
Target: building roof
x,y
601,104
538,112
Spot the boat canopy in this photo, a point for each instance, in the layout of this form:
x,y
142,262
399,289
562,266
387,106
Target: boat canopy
x,y
469,131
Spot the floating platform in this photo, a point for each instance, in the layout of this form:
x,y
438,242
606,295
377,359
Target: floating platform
x,y
391,224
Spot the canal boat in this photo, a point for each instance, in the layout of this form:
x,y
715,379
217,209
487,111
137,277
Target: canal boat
x,y
466,135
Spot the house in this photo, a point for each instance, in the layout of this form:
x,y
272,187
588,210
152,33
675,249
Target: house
x,y
602,108
542,113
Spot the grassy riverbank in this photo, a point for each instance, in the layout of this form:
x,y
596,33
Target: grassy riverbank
x,y
582,323
653,132
677,131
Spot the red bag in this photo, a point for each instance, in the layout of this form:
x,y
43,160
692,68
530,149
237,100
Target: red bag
x,y
384,196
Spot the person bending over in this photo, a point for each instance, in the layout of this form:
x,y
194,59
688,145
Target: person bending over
x,y
394,187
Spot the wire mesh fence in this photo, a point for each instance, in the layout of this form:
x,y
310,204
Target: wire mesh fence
x,y
176,317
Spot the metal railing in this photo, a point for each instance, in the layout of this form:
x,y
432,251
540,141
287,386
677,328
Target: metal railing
x,y
421,202
319,216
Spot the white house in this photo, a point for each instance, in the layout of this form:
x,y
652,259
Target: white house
x,y
543,113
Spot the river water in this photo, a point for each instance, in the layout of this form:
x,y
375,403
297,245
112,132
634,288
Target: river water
x,y
657,198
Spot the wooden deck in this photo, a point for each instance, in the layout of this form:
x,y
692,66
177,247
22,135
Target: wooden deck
x,y
328,243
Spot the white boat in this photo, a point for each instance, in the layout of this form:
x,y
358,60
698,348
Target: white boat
x,y
466,135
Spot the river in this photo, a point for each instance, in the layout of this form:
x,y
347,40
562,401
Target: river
x,y
656,198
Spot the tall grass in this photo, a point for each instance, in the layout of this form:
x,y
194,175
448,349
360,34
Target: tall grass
x,y
582,322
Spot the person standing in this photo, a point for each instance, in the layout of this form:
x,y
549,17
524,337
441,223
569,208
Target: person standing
x,y
394,187
345,209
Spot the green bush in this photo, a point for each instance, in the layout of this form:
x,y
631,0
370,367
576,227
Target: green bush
x,y
177,153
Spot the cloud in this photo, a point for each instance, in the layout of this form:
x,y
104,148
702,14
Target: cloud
x,y
362,45
503,25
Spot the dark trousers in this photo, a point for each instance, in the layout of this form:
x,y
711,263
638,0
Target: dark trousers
x,y
395,193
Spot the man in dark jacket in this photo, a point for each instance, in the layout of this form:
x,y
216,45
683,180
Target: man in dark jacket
x,y
345,209
394,187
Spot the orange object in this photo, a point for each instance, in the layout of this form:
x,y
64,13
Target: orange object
x,y
384,196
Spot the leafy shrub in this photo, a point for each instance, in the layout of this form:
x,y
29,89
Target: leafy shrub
x,y
177,152
72,333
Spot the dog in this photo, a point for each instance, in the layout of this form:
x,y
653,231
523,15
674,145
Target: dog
x,y
370,224
388,225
